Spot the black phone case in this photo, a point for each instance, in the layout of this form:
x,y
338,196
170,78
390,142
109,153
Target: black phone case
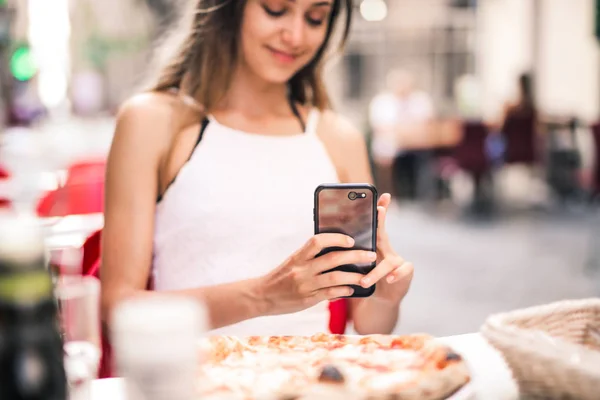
x,y
359,291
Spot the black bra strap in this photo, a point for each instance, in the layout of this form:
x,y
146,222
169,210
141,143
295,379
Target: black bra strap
x,y
203,126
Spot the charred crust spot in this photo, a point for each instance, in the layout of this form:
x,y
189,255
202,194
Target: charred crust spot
x,y
331,374
452,356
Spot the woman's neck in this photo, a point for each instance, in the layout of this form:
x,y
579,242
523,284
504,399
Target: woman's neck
x,y
254,97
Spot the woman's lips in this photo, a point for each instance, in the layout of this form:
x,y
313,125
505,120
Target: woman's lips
x,y
282,56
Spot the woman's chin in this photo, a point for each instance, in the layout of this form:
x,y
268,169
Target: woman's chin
x,y
276,76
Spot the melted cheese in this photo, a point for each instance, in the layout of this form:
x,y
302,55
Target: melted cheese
x,y
385,382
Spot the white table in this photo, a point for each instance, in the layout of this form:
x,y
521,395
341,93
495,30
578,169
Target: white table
x,y
491,377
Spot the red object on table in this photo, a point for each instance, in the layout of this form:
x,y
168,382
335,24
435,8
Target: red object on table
x,y
4,176
83,192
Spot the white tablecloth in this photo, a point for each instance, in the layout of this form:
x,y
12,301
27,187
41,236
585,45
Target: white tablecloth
x,y
491,377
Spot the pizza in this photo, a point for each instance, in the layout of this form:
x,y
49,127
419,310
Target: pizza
x,y
326,366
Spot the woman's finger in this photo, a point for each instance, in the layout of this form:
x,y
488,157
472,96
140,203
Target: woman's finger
x,y
337,258
335,279
384,200
402,273
383,242
381,270
330,294
319,242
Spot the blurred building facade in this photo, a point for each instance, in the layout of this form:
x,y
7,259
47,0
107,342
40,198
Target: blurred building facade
x,y
432,40
439,41
554,39
493,40
111,46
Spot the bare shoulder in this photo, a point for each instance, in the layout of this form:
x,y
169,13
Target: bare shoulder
x,y
345,145
147,114
151,121
148,101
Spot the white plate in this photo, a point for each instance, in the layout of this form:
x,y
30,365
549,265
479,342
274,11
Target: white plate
x,y
467,392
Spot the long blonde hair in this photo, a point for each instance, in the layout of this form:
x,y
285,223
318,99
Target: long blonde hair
x,y
206,43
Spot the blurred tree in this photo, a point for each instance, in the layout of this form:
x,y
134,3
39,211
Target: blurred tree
x,y
111,42
22,63
100,44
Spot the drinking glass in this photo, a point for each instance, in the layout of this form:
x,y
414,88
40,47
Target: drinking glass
x,y
78,299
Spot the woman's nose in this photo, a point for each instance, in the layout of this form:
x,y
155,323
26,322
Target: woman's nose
x,y
293,32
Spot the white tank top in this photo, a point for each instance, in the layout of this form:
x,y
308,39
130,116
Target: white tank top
x,y
238,208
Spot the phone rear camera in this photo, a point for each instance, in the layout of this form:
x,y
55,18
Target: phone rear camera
x,y
352,195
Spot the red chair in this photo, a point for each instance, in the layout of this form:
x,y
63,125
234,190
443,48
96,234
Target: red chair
x,y
90,266
339,312
72,199
470,152
88,171
596,135
4,177
470,155
82,193
519,131
4,174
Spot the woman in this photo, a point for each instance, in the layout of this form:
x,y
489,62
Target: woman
x,y
520,129
215,201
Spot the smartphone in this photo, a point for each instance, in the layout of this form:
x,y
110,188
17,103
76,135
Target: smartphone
x,y
349,209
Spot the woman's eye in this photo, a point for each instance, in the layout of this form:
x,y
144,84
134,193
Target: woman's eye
x,y
314,21
274,13
316,18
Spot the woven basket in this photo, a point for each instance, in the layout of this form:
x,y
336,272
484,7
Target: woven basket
x,y
552,350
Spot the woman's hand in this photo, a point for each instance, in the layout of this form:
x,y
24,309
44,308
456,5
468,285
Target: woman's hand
x,y
299,282
392,274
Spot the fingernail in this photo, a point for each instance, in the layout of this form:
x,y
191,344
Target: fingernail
x,y
350,241
350,292
390,279
372,256
365,281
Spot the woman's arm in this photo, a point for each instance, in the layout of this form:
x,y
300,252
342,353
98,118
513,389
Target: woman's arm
x,y
141,138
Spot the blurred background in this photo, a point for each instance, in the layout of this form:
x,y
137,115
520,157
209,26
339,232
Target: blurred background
x,y
481,118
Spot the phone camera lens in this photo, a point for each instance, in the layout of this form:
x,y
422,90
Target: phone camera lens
x,y
352,195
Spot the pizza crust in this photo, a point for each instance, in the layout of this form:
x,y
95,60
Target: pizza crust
x,y
286,368
440,386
